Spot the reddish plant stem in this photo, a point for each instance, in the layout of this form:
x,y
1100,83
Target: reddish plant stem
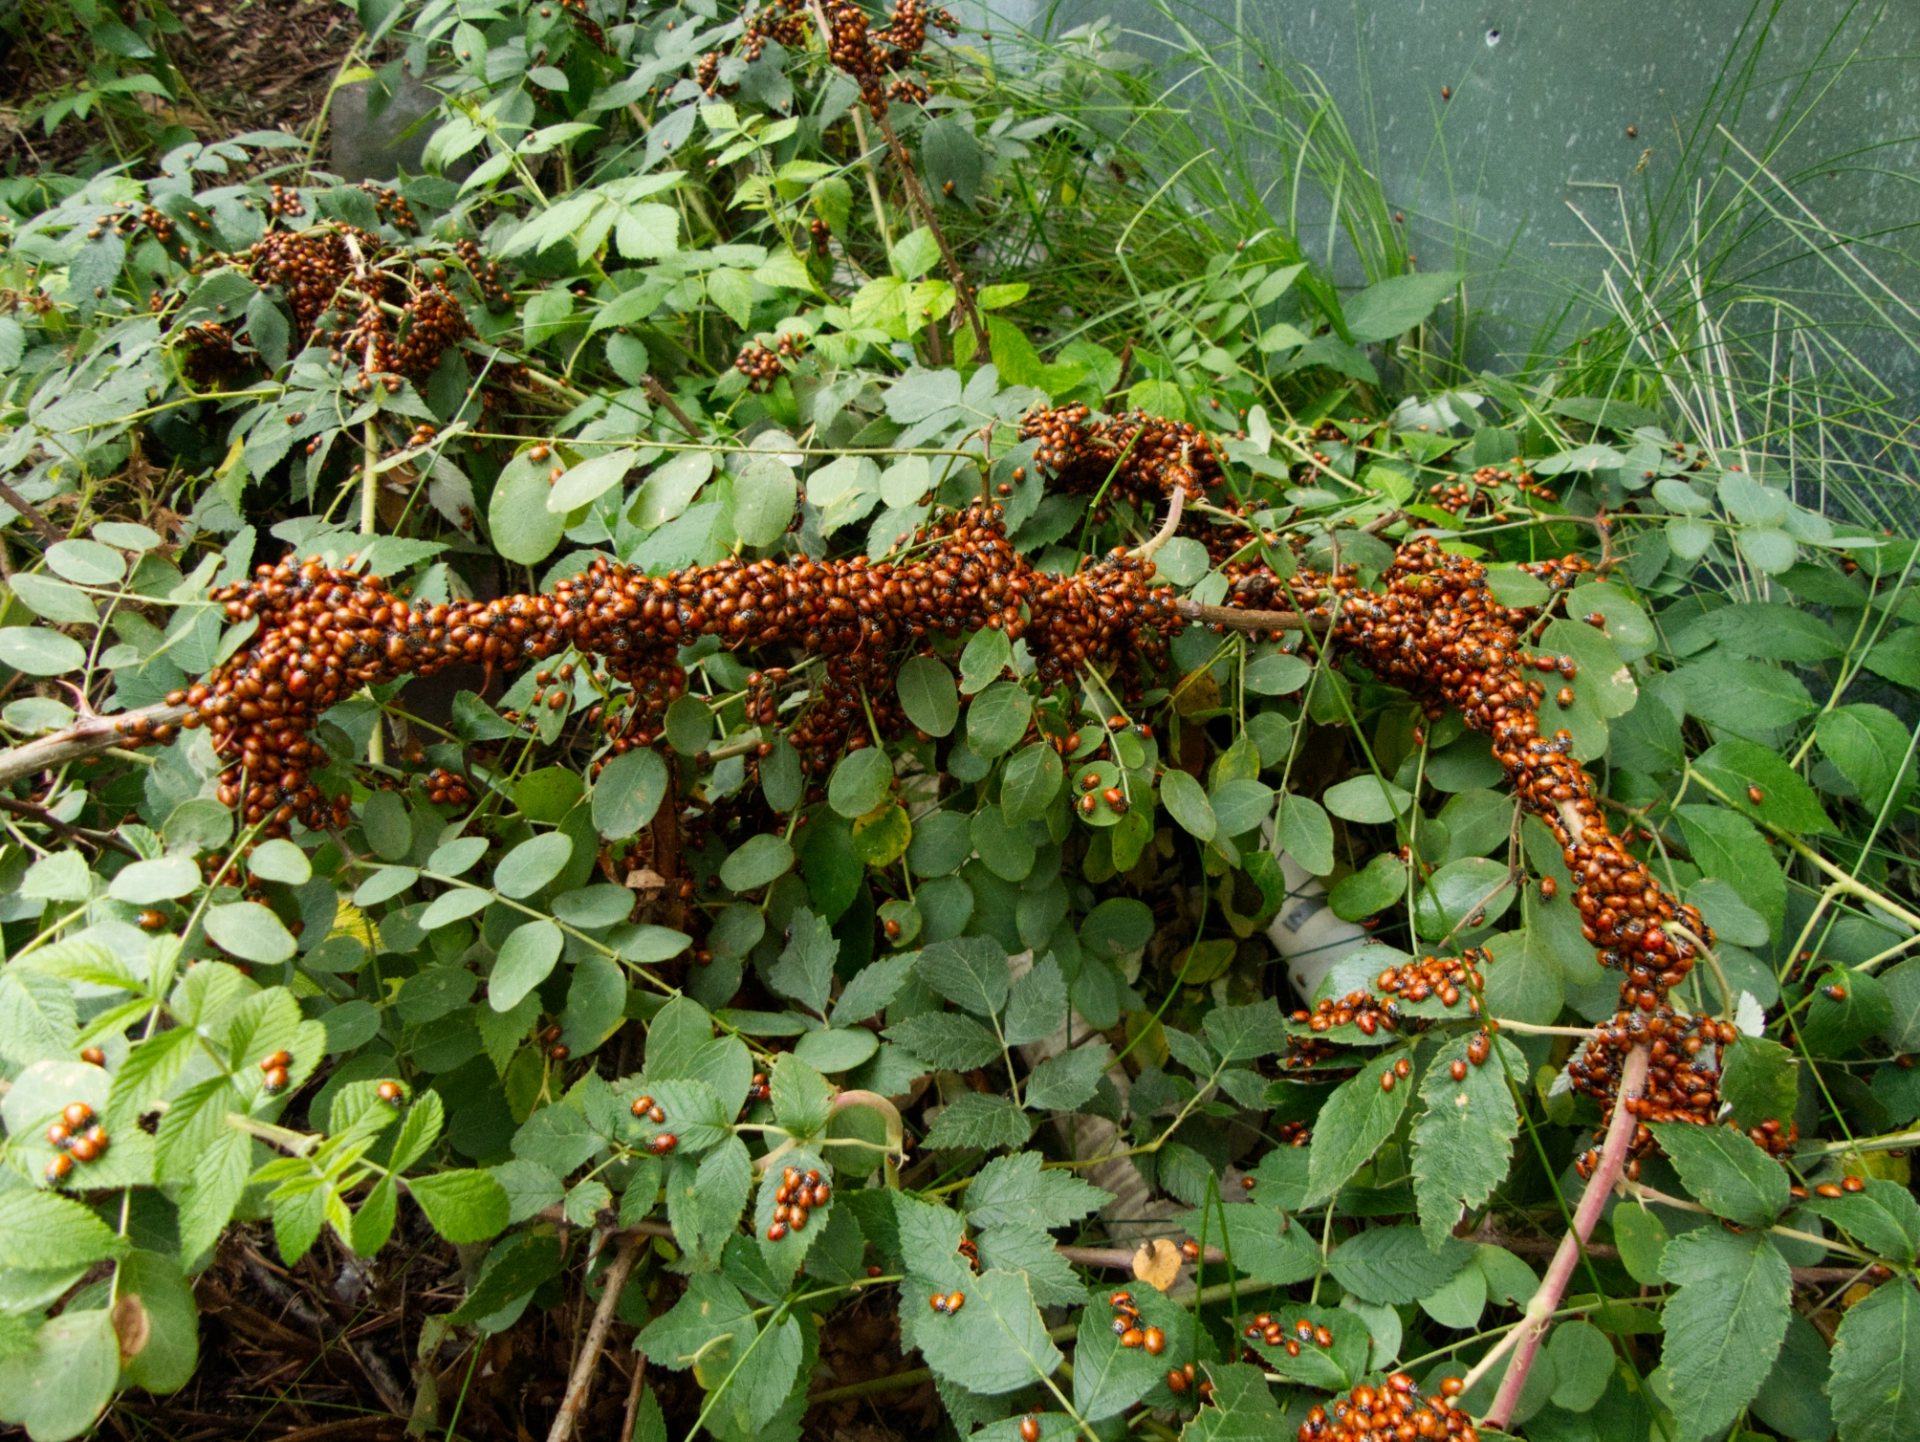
x,y
1526,1336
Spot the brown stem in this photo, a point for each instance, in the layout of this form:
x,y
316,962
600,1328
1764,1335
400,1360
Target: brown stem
x,y
962,296
1235,620
86,737
664,398
634,1389
30,513
1525,1337
32,812
1121,1258
577,1384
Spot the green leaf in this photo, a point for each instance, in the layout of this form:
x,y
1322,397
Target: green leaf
x,y
860,782
1884,1218
1265,1243
978,1120
1037,1004
1117,927
802,1099
526,959
246,929
763,498
882,836
1390,307
758,861
1395,1264
1583,1362
146,882
1031,782
532,864
1356,1119
1786,801
805,969
997,718
1793,1399
970,971
277,860
1005,849
523,529
833,1050
1368,800
1015,1191
986,654
1876,1366
1303,831
1726,1172
1242,1409
1461,896
1067,1081
513,1268
1463,1144
42,1231
1767,630
1242,1033
1727,846
39,652
628,792
927,693
59,1388
1760,1080
1870,747
872,987
1377,885
1642,1239
1725,1324
1186,801
589,480
711,1308
167,1362
463,1206
220,1171
995,1343
1109,1378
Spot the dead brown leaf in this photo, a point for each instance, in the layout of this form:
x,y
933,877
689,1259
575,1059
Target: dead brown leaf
x,y
1157,1263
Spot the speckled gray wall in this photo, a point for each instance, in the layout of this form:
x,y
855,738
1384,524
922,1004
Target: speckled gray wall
x,y
1549,99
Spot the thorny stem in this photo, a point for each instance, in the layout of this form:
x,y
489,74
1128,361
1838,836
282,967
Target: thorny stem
x,y
1526,1336
962,296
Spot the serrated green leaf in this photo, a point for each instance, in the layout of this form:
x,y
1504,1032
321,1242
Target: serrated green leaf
x,y
1883,1218
995,1343
1357,1118
1395,1264
978,1120
1725,1324
1876,1366
1463,1144
1726,1172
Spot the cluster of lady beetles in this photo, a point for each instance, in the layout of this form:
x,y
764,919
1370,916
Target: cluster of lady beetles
x,y
1394,1409
1484,493
1134,456
76,1137
1265,1328
326,632
763,365
1126,1326
787,23
798,1195
1431,626
273,1072
869,56
947,1303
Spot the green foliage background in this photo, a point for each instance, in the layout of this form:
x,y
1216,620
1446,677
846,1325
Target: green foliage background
x,y
1751,632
